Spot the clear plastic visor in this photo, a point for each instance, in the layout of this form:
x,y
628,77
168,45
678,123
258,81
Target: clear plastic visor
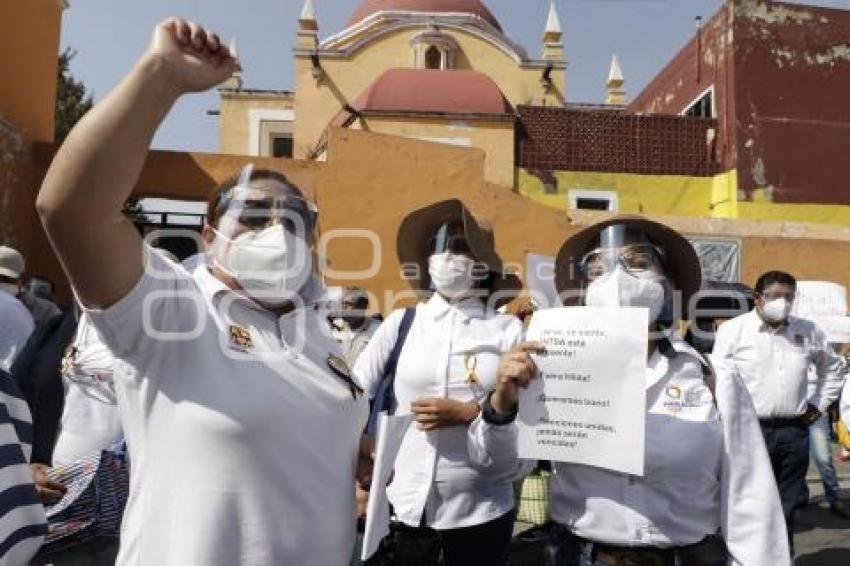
x,y
619,246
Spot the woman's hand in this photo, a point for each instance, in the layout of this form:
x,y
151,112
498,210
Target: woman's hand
x,y
516,369
365,462
193,56
361,501
441,412
48,490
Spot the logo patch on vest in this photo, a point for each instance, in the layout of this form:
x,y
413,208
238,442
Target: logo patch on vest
x,y
240,339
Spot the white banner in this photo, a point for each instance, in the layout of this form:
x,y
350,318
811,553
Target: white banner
x,y
588,405
819,298
825,304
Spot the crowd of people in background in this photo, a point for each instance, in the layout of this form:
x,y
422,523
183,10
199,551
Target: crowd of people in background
x,y
243,401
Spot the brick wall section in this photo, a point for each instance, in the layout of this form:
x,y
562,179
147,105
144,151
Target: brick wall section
x,y
565,139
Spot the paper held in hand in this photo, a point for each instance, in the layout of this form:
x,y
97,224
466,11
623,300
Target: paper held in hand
x,y
588,405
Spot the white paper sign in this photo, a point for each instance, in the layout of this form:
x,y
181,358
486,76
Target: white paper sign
x,y
825,304
390,433
819,298
588,405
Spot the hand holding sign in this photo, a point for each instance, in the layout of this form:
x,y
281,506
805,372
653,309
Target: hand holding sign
x,y
516,370
589,405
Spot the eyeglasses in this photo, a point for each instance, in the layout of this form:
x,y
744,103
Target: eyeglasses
x,y
634,259
773,295
296,215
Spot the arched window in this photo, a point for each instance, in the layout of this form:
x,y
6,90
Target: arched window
x,y
433,58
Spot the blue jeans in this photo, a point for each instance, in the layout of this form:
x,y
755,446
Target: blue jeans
x,y
788,448
819,450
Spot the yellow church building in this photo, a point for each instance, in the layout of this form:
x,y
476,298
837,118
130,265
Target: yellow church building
x,y
436,70
445,71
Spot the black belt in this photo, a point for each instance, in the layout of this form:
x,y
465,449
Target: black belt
x,y
707,551
782,422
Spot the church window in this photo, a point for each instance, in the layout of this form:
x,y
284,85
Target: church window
x,y
433,58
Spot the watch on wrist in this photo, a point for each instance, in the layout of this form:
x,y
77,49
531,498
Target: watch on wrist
x,y
491,416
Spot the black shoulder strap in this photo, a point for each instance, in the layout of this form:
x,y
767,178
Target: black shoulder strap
x,y
392,361
385,397
709,375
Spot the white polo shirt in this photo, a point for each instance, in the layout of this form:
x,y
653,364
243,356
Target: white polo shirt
x,y
774,363
243,442
457,476
16,325
707,471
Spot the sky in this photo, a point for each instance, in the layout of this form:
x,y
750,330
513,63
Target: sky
x,y
110,35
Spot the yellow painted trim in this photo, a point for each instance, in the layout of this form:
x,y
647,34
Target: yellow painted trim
x,y
677,195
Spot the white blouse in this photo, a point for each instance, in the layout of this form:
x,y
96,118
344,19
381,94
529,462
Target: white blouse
x,y
457,476
707,471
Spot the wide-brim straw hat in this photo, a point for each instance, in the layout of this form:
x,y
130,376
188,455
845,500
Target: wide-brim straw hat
x,y
418,227
680,258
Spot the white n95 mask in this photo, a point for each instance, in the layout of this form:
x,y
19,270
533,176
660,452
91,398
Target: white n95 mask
x,y
622,289
451,275
776,310
271,265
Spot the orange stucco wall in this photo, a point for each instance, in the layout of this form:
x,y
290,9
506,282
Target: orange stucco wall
x,y
370,181
29,45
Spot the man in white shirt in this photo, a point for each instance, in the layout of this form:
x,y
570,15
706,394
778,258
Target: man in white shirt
x,y
350,325
773,352
16,323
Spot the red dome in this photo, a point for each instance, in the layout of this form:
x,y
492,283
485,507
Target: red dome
x,y
476,7
427,90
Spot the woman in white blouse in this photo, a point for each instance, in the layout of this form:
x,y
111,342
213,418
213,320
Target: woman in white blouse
x,y
707,496
454,470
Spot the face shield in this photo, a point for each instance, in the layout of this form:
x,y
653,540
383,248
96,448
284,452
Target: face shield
x,y
629,251
264,237
626,269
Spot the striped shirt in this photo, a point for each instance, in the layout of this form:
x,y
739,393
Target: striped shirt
x,y
22,520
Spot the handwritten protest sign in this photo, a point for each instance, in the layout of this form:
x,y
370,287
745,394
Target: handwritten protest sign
x,y
588,404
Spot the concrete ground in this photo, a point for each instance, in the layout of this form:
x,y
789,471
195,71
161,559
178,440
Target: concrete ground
x,y
822,537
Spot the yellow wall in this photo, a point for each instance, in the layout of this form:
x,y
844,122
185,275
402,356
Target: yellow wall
x,y
29,48
638,194
234,123
714,197
346,78
495,138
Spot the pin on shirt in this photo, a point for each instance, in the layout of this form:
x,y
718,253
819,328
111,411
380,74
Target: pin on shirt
x,y
240,339
472,379
340,367
471,363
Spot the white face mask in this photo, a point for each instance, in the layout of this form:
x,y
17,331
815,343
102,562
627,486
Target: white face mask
x,y
271,265
622,289
451,274
776,310
10,288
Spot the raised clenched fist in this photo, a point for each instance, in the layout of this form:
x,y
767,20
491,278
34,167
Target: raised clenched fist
x,y
194,57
